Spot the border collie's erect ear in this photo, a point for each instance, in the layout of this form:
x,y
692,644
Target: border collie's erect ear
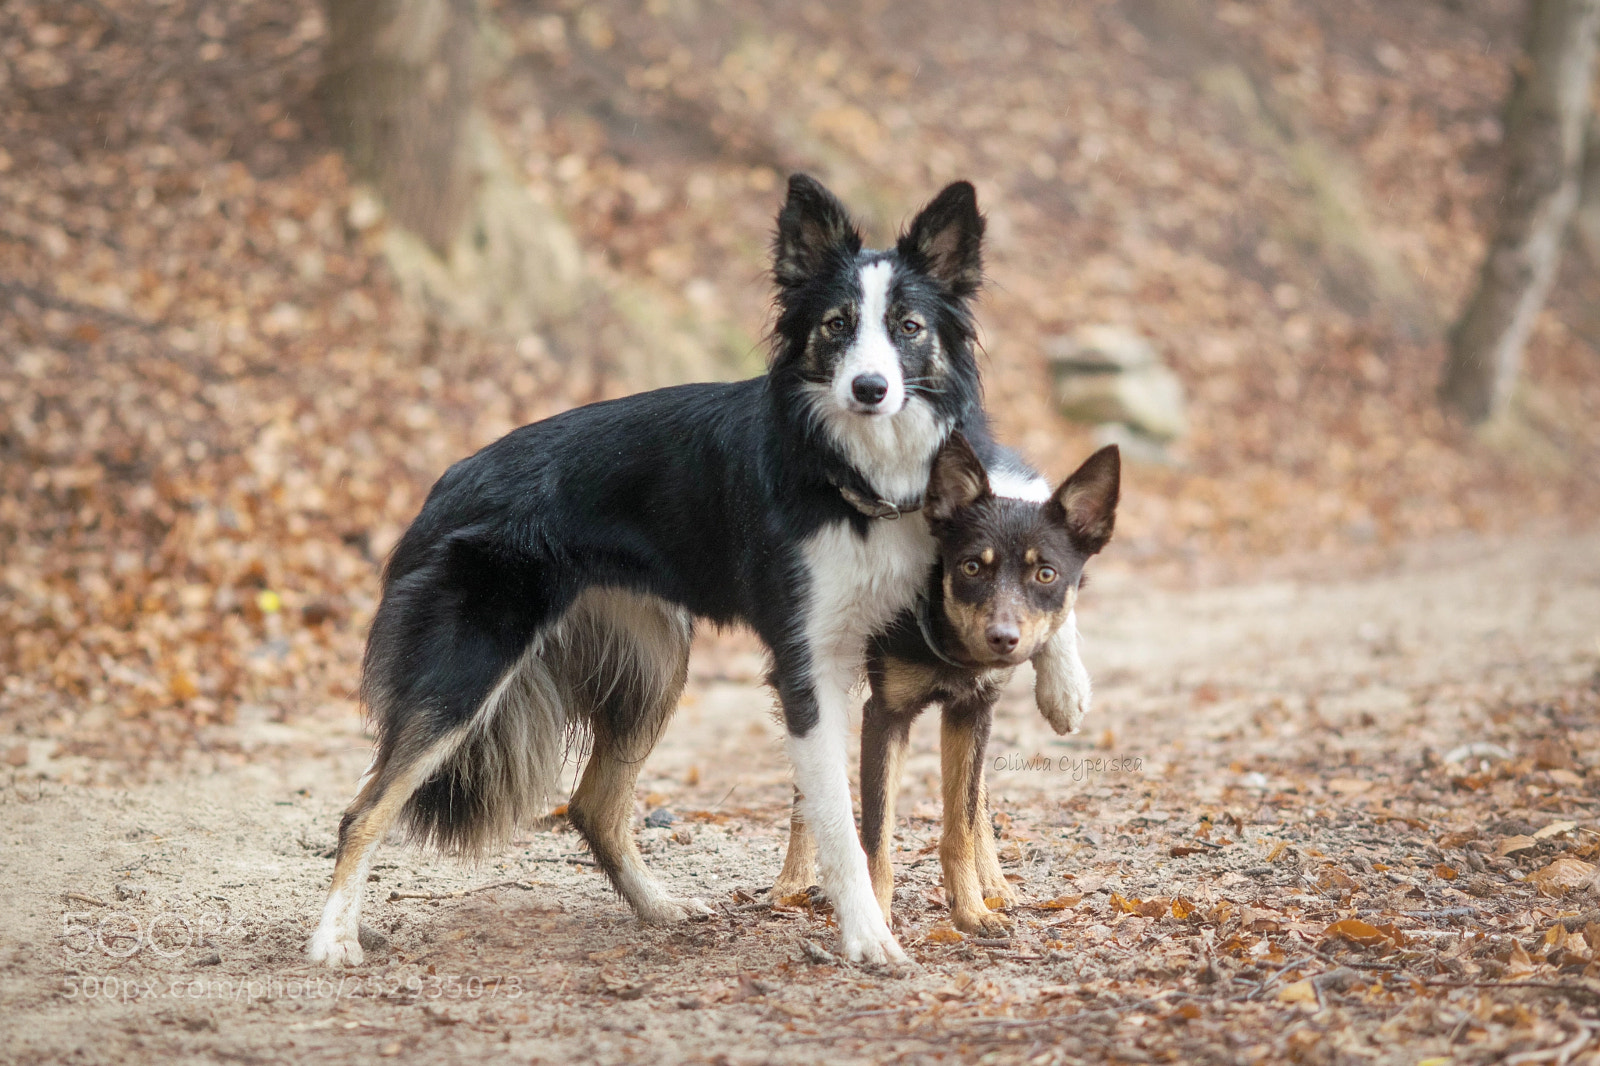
x,y
812,227
946,239
1087,501
958,480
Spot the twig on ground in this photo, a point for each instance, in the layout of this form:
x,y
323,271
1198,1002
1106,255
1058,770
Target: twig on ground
x,y
1559,986
397,895
1559,1054
879,1013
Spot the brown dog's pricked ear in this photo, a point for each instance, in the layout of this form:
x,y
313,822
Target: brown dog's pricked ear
x,y
1087,501
958,480
946,239
812,227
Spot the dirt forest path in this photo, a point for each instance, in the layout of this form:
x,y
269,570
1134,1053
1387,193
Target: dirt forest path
x,y
1265,761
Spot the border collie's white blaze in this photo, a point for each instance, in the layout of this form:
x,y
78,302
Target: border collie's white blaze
x,y
872,353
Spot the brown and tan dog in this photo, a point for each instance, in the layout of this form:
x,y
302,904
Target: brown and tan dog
x,y
1005,583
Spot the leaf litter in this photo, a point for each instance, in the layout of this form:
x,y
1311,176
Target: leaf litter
x,y
217,412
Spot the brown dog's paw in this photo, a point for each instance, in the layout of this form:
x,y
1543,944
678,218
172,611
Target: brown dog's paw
x,y
980,921
1003,892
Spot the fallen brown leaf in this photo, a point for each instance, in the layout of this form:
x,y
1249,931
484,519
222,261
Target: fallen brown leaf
x,y
1363,933
1512,845
1562,876
1299,992
1555,829
1060,903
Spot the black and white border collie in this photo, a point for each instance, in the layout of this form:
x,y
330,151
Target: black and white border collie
x,y
550,583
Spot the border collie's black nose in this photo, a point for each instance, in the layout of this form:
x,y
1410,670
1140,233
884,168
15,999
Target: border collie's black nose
x,y
869,388
1002,638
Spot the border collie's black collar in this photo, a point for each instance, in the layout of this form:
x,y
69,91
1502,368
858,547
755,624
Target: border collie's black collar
x,y
874,508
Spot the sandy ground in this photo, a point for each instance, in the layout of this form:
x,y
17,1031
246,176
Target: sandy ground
x,y
166,922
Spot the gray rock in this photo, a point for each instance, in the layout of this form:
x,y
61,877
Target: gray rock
x,y
1136,446
1106,374
659,818
372,941
1100,349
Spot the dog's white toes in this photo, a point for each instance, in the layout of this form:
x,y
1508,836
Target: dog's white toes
x,y
875,950
667,911
335,948
1065,712
696,908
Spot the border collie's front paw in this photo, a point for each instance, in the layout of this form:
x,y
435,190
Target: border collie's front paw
x,y
1061,687
871,943
336,947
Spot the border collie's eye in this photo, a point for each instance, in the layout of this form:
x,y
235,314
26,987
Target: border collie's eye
x,y
1045,575
837,324
911,327
971,567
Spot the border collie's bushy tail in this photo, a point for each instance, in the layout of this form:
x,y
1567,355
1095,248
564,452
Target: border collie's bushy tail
x,y
610,661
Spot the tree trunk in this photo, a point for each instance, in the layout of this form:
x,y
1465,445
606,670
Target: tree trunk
x,y
1544,122
1588,220
400,87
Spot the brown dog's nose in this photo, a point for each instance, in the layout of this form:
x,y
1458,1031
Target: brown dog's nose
x,y
1002,637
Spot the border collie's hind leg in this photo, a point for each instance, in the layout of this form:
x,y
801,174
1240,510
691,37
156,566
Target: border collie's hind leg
x,y
395,776
602,810
637,653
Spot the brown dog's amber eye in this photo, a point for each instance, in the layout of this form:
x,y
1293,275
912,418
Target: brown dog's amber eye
x,y
1045,575
971,568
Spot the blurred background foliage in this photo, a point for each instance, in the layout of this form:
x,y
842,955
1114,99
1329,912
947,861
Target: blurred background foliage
x,y
260,283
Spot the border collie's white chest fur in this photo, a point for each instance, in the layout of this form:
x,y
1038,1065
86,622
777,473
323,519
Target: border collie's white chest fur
x,y
858,584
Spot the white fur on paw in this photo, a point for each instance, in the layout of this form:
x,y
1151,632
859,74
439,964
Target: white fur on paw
x,y
671,911
1061,687
874,950
1063,706
870,941
335,947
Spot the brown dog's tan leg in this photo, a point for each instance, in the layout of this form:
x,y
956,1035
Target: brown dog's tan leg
x,y
884,735
964,735
799,860
991,879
